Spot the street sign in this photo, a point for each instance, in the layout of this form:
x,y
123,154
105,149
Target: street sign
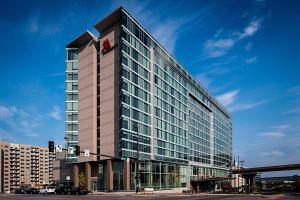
x,y
86,152
123,158
70,150
59,148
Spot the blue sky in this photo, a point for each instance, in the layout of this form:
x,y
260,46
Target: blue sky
x,y
245,52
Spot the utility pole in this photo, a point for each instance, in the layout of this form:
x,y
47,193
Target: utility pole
x,y
67,172
238,175
242,164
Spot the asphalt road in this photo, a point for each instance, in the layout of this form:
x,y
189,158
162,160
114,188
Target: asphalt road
x,y
145,197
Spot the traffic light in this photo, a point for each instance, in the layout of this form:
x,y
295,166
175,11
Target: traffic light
x,y
77,150
51,146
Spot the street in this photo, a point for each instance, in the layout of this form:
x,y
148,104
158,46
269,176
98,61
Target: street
x,y
145,197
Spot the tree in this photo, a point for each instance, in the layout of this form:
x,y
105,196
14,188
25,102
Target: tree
x,y
82,180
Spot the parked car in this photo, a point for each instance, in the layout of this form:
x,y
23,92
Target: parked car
x,y
78,191
226,188
62,190
47,190
20,191
31,191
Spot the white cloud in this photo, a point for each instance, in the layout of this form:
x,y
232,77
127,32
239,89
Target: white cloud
x,y
218,47
6,112
18,121
246,106
207,77
282,126
55,113
272,153
204,80
32,134
251,60
273,134
4,135
166,29
35,26
166,34
292,111
251,29
228,98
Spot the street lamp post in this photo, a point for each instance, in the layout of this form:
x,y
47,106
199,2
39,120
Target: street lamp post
x,y
67,166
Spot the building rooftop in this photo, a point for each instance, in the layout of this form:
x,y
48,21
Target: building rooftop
x,y
86,36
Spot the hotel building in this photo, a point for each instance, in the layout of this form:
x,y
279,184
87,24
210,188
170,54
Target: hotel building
x,y
23,165
129,101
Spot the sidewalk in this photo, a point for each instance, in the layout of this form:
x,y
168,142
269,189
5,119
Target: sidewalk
x,y
132,193
159,193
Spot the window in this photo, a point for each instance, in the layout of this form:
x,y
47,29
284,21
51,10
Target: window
x,y
125,48
75,86
75,66
72,96
135,78
125,74
125,99
155,79
72,106
71,117
72,54
125,86
135,126
72,76
135,114
124,60
125,111
135,55
72,66
125,123
135,66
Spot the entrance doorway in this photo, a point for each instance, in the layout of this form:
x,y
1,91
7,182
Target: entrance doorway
x,y
117,181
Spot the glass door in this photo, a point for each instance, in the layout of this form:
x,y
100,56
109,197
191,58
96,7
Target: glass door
x,y
118,181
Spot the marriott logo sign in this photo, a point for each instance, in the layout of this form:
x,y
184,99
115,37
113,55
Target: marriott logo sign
x,y
106,47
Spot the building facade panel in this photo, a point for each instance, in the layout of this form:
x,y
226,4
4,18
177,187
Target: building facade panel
x,y
87,95
109,99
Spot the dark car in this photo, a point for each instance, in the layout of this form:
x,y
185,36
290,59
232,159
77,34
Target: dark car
x,y
31,191
63,190
20,191
78,191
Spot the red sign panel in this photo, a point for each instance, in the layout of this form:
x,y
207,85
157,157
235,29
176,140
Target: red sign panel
x,y
106,47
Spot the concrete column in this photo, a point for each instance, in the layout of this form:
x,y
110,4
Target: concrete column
x,y
126,174
75,175
87,173
109,176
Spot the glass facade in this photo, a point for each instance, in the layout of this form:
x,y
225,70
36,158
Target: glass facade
x,y
136,98
71,99
159,175
166,114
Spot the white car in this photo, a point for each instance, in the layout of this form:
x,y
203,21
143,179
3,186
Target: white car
x,y
47,190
